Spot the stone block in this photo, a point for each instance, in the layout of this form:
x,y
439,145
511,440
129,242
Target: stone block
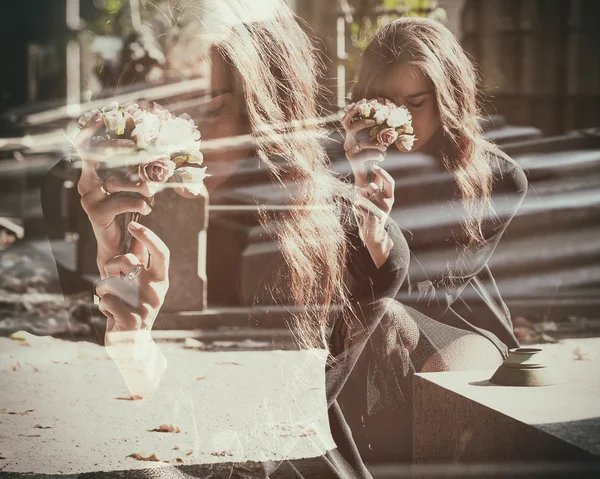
x,y
181,223
462,417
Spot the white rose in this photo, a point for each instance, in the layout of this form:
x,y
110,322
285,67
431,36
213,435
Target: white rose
x,y
398,117
146,131
193,178
381,115
178,135
115,120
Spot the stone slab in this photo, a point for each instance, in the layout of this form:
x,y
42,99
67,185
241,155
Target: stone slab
x,y
461,416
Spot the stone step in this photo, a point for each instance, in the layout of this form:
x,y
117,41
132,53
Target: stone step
x,y
574,140
515,254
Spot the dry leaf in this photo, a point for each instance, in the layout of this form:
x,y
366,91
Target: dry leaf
x,y
201,377
178,459
142,457
14,412
39,426
135,397
30,435
176,448
578,354
189,453
166,428
222,453
229,362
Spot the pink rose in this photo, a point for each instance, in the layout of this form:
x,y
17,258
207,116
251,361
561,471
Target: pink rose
x,y
159,169
387,136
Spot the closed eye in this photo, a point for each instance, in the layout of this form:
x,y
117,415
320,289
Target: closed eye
x,y
416,104
214,113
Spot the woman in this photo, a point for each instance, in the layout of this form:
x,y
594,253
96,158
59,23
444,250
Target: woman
x,y
263,83
441,325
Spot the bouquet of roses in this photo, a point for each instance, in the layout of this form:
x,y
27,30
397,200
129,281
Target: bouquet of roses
x,y
394,123
167,149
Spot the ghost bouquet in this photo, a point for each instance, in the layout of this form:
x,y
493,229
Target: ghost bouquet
x,y
166,150
394,123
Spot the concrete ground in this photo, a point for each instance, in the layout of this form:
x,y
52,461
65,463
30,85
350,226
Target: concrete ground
x,y
64,407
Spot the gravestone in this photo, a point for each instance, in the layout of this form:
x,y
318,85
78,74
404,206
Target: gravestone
x,y
181,223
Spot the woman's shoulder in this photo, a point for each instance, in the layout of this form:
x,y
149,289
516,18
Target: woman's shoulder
x,y
508,176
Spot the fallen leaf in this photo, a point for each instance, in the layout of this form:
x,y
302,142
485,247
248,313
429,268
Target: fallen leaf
x,y
578,354
201,377
14,412
166,428
142,457
39,426
229,362
178,459
176,448
189,453
30,435
135,397
222,453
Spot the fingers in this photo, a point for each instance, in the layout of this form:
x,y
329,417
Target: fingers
x,y
127,293
125,318
102,209
83,139
359,125
373,194
351,113
387,180
159,252
124,264
117,184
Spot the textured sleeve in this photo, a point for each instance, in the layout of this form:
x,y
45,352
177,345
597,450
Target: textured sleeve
x,y
373,290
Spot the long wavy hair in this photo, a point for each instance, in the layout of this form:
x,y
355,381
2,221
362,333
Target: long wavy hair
x,y
275,61
430,46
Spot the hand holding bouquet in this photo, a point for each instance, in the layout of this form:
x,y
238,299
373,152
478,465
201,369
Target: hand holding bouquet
x,y
394,123
160,148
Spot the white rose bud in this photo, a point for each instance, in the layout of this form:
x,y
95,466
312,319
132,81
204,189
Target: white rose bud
x,y
192,178
407,141
115,120
364,109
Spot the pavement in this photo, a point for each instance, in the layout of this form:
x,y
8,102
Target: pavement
x,y
65,408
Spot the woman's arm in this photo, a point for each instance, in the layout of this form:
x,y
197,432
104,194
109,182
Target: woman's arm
x,y
375,288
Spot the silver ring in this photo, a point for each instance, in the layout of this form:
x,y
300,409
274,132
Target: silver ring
x,y
104,190
135,272
96,296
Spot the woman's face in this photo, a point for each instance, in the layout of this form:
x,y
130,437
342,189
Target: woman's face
x,y
405,84
223,117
